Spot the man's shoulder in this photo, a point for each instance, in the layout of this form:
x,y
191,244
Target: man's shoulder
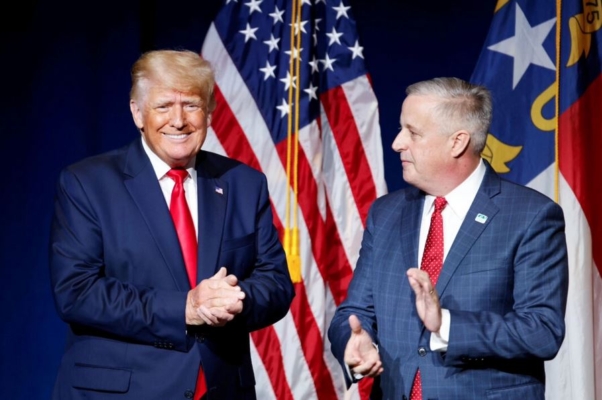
x,y
521,194
396,197
213,165
113,159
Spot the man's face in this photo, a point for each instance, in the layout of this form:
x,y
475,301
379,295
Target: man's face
x,y
173,124
423,145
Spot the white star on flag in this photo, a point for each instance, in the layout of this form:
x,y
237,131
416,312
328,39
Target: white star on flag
x,y
526,46
357,50
249,33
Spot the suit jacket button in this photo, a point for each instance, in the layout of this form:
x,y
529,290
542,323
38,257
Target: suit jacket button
x,y
404,397
189,394
421,351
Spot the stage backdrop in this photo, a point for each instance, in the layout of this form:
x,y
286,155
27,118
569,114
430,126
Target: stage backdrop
x,y
65,72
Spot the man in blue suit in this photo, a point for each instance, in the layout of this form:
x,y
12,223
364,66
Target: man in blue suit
x,y
497,309
138,329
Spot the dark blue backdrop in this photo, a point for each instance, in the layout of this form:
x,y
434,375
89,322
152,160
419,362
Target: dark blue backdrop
x,y
65,73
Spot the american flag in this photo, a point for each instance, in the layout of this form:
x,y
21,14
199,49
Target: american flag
x,y
295,101
542,60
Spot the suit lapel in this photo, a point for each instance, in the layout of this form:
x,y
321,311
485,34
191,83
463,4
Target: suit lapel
x,y
142,184
213,196
479,216
409,227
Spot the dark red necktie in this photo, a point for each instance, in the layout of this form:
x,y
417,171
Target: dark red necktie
x,y
180,213
432,261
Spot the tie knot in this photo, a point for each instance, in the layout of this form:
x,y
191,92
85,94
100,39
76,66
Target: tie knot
x,y
178,175
440,204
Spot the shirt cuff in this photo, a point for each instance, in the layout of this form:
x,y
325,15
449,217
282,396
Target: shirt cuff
x,y
440,340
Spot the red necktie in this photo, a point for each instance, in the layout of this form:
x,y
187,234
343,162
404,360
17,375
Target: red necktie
x,y
432,261
180,213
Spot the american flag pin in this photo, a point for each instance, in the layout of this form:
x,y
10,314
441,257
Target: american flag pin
x,y
219,190
480,218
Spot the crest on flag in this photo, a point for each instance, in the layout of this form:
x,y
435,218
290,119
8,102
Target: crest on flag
x,y
542,61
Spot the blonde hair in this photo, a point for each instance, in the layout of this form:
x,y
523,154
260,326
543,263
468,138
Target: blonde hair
x,y
181,70
463,105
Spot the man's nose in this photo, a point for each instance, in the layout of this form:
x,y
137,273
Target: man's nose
x,y
399,143
177,118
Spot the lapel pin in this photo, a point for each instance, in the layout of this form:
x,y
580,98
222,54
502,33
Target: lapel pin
x,y
219,190
480,218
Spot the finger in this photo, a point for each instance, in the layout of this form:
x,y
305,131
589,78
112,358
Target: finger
x,y
415,285
363,368
420,285
221,315
231,280
224,300
355,324
207,316
418,274
234,308
229,294
221,283
376,369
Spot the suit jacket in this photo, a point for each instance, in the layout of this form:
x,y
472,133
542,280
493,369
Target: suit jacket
x,y
504,281
119,280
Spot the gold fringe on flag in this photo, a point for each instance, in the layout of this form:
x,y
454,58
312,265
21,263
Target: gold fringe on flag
x,y
291,228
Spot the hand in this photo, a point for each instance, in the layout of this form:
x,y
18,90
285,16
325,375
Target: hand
x,y
360,354
427,299
215,301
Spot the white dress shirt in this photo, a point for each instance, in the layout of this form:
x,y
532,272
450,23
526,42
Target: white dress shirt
x,y
167,184
459,201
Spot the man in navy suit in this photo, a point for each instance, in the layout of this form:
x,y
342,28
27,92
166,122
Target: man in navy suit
x,y
497,309
138,329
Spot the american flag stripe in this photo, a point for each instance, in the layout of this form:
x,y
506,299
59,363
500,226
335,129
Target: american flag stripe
x,y
348,140
321,232
236,144
339,167
268,350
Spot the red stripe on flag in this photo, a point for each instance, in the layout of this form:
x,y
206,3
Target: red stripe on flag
x,y
268,346
312,344
580,141
235,143
325,240
348,139
230,134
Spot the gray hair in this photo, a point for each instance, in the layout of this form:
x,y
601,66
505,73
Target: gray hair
x,y
463,106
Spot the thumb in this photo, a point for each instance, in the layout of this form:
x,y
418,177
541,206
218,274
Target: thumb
x,y
355,325
220,274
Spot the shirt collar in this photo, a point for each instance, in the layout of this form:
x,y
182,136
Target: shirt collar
x,y
467,190
159,166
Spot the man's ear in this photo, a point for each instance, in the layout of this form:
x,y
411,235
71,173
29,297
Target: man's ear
x,y
136,114
460,142
209,119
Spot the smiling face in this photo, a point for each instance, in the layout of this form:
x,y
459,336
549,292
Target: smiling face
x,y
173,123
424,146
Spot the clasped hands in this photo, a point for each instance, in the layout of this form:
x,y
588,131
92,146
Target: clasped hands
x,y
361,354
215,301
